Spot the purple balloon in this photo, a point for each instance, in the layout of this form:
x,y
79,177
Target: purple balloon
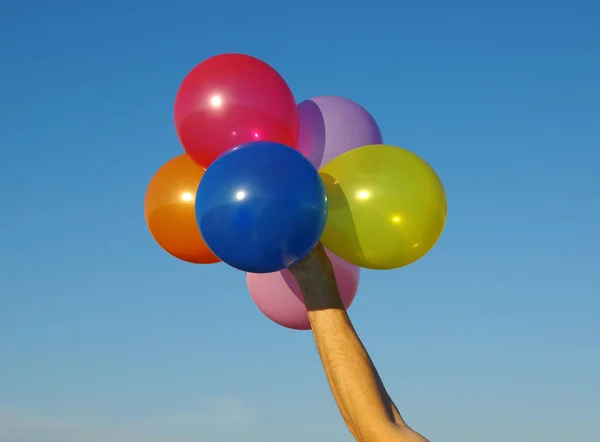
x,y
278,296
331,126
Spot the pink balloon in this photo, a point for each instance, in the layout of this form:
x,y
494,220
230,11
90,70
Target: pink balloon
x,y
279,298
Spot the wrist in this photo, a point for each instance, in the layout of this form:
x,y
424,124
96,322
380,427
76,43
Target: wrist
x,y
320,293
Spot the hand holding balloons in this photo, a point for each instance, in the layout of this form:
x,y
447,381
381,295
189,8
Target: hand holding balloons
x,y
278,296
264,180
261,207
387,207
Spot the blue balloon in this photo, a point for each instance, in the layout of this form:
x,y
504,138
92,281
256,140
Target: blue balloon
x,y
261,207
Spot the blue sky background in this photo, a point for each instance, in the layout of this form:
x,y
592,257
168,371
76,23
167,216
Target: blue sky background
x,y
492,337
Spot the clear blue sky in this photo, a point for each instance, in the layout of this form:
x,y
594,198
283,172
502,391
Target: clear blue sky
x,y
493,336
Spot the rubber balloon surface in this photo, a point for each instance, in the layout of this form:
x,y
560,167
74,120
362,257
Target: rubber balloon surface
x,y
331,126
231,99
387,207
170,214
261,207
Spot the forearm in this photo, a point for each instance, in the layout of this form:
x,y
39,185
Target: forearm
x,y
362,399
355,383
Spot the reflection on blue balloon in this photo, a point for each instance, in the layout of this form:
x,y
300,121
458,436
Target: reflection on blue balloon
x,y
261,207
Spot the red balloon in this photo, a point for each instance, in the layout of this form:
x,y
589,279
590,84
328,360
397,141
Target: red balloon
x,y
232,99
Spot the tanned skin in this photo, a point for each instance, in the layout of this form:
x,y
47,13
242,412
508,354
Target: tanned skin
x,y
365,405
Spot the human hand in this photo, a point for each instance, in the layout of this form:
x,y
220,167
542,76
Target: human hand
x,y
316,279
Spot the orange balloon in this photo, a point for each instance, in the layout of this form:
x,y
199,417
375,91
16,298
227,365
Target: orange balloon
x,y
169,208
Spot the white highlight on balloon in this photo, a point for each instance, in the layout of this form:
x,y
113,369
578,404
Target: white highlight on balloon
x,y
363,194
187,196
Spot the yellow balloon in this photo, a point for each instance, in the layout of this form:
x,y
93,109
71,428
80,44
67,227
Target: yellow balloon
x,y
387,207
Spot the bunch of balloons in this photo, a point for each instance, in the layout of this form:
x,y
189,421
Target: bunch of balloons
x,y
264,179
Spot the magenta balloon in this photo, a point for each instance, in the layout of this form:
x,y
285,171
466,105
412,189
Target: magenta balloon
x,y
331,126
279,298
